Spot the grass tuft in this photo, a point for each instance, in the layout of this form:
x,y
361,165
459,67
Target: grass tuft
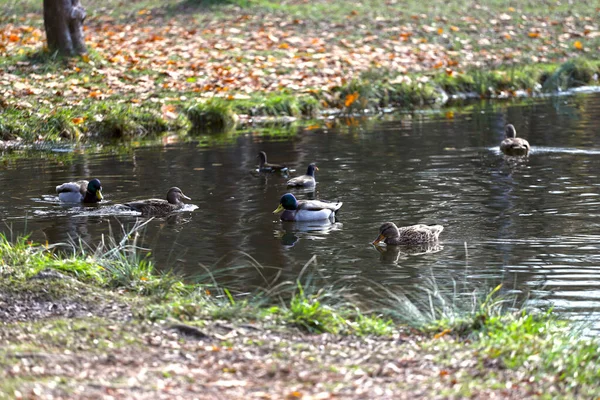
x,y
213,116
573,73
125,122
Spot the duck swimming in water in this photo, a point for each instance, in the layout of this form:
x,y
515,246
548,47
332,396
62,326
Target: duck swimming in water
x,y
264,166
159,207
307,180
80,192
512,145
305,210
408,235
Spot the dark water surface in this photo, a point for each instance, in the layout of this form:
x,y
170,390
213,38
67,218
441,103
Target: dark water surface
x,y
533,225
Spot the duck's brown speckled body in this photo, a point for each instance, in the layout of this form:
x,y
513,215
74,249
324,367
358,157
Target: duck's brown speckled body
x,y
390,234
512,145
159,207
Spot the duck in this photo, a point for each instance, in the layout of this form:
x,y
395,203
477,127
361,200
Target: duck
x,y
264,166
158,207
80,192
408,235
307,180
306,210
512,145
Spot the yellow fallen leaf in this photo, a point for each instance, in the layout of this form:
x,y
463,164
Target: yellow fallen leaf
x,y
578,45
534,34
77,120
440,31
450,114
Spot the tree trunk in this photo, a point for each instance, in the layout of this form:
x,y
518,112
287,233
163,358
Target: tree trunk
x,y
63,20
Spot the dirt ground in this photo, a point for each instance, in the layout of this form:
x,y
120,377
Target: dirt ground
x,y
88,344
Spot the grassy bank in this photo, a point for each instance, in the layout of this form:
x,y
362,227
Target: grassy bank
x,y
205,66
104,321
372,92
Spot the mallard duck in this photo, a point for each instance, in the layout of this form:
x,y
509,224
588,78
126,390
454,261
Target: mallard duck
x,y
80,191
264,166
307,180
512,145
305,210
156,207
408,235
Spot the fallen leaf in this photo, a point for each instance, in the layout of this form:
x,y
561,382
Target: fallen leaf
x,y
351,98
445,331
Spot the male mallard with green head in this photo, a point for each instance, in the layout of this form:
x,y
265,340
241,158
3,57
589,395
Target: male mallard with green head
x,y
264,166
80,192
307,180
305,210
158,207
408,235
512,145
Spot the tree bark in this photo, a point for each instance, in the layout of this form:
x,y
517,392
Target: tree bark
x,y
63,20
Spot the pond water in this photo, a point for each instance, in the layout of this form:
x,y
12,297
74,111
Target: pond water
x,y
530,224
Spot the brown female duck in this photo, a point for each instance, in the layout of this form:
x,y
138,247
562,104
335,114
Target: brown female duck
x,y
408,235
512,145
160,207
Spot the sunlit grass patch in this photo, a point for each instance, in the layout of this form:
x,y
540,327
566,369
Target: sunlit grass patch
x,y
212,116
112,264
278,104
18,124
573,73
537,344
117,121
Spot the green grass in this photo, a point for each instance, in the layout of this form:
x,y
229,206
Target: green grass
x,y
110,119
536,345
212,116
573,73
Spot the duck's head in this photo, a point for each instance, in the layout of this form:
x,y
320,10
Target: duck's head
x,y
287,202
95,188
262,157
174,196
311,169
510,131
387,230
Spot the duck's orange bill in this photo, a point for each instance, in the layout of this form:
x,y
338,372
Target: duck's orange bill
x,y
379,238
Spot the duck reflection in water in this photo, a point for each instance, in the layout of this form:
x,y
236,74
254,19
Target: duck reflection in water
x,y
392,254
293,231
